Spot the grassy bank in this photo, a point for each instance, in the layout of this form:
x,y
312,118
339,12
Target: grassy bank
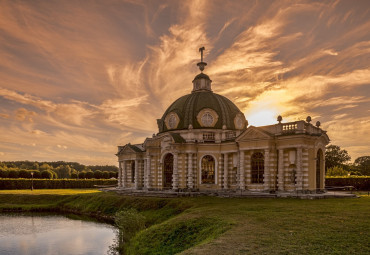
x,y
209,225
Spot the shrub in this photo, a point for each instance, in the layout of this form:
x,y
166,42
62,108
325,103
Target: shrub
x,y
113,174
24,174
46,174
89,175
105,175
13,174
98,174
336,171
81,175
53,183
4,173
359,182
129,221
36,174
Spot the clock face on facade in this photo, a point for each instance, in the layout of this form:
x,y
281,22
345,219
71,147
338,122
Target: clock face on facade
x,y
172,120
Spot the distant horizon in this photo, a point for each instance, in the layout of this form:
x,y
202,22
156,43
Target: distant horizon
x,y
77,80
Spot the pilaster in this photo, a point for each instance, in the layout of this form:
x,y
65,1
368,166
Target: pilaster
x,y
241,171
137,180
299,169
281,170
190,171
266,174
226,172
175,177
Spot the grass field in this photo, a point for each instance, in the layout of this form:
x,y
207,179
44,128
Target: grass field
x,y
211,225
49,191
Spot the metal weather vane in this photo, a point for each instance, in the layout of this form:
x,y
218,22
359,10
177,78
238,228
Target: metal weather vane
x,y
201,64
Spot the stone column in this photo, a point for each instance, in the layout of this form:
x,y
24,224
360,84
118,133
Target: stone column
x,y
175,176
190,171
266,172
241,171
148,173
299,169
281,170
145,173
305,169
137,180
119,174
248,174
124,173
226,172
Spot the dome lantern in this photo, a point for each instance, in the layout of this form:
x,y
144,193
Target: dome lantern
x,y
201,82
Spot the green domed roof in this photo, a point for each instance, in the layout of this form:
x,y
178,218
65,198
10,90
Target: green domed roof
x,y
188,108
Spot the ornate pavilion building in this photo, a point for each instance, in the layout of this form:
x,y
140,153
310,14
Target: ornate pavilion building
x,y
204,143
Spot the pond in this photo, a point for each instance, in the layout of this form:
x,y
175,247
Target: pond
x,y
53,234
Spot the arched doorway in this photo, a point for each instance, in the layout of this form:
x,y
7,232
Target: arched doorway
x,y
318,169
208,169
167,171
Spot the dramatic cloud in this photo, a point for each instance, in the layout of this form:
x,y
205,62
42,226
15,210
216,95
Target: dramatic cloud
x,y
77,80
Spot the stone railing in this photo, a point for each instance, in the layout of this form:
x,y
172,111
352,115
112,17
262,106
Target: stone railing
x,y
296,127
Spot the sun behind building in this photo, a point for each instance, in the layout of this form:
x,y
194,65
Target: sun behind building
x,y
204,144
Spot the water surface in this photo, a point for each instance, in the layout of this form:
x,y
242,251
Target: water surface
x,y
53,234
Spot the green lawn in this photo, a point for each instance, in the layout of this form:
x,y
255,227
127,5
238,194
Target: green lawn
x,y
211,225
49,191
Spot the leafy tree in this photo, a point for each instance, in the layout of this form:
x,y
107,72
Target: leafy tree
x,y
13,174
23,166
36,174
336,171
74,175
81,175
113,174
64,171
4,173
24,174
105,175
46,174
89,175
335,156
363,165
98,174
35,166
3,166
44,167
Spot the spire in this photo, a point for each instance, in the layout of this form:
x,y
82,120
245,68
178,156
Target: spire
x,y
201,82
201,64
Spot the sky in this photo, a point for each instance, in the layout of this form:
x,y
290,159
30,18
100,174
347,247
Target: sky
x,y
79,78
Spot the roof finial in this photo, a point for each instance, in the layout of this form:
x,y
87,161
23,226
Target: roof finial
x,y
201,64
201,53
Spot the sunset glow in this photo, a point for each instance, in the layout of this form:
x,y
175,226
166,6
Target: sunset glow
x,y
77,79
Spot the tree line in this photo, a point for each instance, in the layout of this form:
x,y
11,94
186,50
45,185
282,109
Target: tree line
x,y
55,170
337,163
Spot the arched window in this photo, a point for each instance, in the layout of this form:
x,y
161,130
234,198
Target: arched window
x,y
133,171
167,171
258,167
208,169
